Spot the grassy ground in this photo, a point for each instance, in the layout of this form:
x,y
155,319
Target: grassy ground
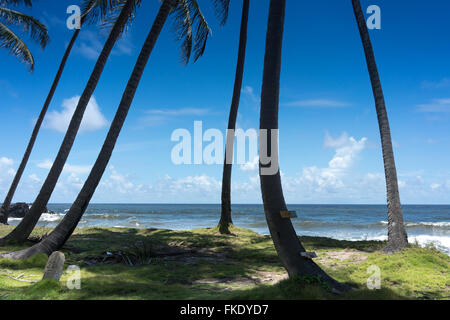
x,y
123,263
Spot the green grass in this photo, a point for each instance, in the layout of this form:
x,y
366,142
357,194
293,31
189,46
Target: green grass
x,y
119,263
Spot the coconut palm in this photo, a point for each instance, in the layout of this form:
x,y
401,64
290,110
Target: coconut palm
x,y
188,20
121,12
225,218
10,18
92,9
397,237
286,242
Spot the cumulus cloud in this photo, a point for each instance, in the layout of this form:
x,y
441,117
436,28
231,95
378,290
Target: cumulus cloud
x,y
251,165
6,171
5,162
68,168
435,106
315,182
249,92
93,118
91,44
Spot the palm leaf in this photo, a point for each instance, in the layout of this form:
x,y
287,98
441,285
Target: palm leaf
x,y
222,7
182,27
37,30
109,11
189,19
15,2
9,40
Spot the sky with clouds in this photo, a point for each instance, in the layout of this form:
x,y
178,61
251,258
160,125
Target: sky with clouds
x,y
329,141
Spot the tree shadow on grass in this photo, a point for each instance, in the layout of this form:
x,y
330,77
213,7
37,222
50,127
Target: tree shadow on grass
x,y
212,266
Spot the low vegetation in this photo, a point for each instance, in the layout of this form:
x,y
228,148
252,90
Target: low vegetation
x,y
119,263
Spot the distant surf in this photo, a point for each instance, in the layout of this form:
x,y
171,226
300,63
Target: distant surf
x,y
426,224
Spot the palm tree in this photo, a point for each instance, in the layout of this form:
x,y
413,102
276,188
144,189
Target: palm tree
x,y
9,40
225,218
23,230
286,242
397,237
188,17
89,11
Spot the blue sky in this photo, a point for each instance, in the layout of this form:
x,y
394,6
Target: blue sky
x,y
329,141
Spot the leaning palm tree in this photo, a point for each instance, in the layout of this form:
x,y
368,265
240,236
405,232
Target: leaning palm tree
x,y
225,217
9,40
397,237
125,11
188,17
290,251
92,9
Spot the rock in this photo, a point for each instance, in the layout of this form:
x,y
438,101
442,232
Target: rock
x,y
49,211
55,266
18,210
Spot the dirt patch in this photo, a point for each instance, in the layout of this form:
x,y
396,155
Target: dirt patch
x,y
257,278
334,258
270,277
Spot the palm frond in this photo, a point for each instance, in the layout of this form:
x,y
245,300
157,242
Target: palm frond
x,y
9,40
38,32
203,30
94,10
109,11
182,27
189,19
222,8
16,2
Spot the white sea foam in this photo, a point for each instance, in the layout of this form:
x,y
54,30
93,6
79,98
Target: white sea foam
x,y
442,224
440,243
51,217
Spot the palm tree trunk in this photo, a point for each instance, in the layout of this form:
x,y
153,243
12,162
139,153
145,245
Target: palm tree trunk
x,y
225,218
397,237
4,210
65,228
283,234
26,226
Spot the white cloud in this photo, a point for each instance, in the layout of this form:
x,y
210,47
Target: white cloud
x,y
435,186
321,182
251,165
91,44
249,92
68,168
7,172
435,106
5,162
93,118
34,177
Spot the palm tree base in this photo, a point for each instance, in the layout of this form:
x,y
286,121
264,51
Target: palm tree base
x,y
393,247
20,255
3,216
307,267
224,228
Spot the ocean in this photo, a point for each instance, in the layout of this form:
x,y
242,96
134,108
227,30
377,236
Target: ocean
x,y
425,224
